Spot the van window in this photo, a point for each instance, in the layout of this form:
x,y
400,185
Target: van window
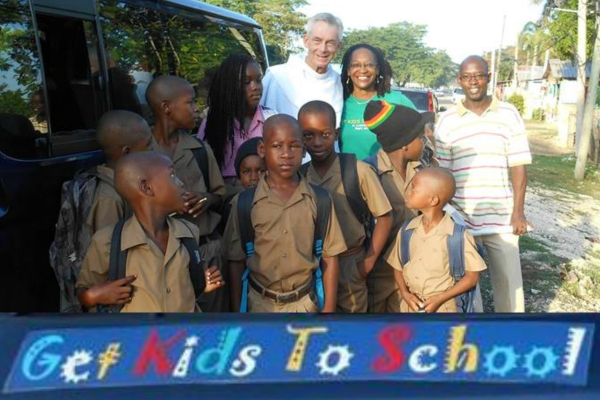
x,y
143,41
23,113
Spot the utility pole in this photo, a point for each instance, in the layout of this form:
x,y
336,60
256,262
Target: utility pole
x,y
516,66
588,120
493,72
581,61
499,60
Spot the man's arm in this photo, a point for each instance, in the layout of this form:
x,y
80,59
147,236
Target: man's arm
x,y
331,270
518,177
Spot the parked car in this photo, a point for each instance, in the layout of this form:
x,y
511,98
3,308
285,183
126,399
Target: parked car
x,y
65,63
423,99
457,95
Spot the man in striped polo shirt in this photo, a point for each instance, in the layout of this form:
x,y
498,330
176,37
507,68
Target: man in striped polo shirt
x,y
484,144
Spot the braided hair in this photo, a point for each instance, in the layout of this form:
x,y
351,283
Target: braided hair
x,y
226,104
383,80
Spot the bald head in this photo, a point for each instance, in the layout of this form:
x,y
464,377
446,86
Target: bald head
x,y
440,181
134,168
474,59
119,128
164,88
279,122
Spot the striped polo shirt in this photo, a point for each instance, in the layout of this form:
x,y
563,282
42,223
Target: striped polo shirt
x,y
479,150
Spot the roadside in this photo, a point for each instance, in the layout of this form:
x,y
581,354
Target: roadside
x,y
561,257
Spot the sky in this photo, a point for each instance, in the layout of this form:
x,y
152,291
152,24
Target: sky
x,y
461,27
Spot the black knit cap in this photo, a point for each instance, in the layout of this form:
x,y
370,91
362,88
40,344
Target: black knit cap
x,y
395,125
248,148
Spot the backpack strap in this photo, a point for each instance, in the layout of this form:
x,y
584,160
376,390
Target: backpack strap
x,y
321,223
244,209
201,156
456,251
405,235
372,161
352,189
195,267
117,264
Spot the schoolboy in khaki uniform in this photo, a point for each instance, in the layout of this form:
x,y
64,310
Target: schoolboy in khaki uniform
x,y
172,100
317,120
118,133
399,130
426,282
157,262
283,215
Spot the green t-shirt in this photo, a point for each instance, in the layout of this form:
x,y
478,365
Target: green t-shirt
x,y
355,136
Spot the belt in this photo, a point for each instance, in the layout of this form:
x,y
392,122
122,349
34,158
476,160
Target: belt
x,y
351,252
282,298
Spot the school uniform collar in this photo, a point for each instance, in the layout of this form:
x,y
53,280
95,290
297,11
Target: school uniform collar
x,y
106,174
134,235
334,170
384,163
462,110
264,192
445,227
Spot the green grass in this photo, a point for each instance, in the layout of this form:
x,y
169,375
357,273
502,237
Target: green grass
x,y
556,172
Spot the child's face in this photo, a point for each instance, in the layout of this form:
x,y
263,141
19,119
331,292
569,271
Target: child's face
x,y
414,150
168,188
282,149
253,84
251,169
418,194
183,108
318,135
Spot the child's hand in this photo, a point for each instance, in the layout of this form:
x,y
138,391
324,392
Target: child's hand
x,y
115,292
433,303
412,301
195,203
214,280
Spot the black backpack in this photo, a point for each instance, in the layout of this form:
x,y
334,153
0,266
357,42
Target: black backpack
x,y
118,264
247,235
201,157
360,209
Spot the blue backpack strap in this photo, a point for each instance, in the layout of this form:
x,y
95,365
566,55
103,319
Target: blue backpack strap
x,y
201,157
405,235
244,209
456,257
196,270
323,201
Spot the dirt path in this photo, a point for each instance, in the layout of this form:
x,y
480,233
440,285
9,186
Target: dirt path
x,y
561,257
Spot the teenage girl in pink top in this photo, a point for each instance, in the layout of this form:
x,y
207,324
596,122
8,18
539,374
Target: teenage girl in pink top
x,y
234,114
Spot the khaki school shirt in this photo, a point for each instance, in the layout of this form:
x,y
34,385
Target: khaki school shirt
x,y
428,271
370,190
107,207
283,248
188,170
163,280
395,188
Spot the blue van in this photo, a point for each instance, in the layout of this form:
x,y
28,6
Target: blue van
x,y
63,63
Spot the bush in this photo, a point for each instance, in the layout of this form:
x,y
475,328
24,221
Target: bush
x,y
538,114
518,101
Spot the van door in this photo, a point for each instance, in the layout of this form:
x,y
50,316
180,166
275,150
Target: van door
x,y
51,96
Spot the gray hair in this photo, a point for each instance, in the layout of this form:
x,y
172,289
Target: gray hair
x,y
328,18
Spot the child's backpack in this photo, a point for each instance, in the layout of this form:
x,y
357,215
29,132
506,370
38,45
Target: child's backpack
x,y
72,236
456,251
201,157
244,208
117,266
360,209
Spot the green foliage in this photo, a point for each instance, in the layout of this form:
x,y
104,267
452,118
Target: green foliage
x,y
280,21
518,101
537,114
14,102
410,59
556,172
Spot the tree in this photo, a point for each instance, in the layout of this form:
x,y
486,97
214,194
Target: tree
x,y
410,59
280,21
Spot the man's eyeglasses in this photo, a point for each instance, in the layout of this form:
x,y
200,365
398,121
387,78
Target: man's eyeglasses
x,y
355,66
478,77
